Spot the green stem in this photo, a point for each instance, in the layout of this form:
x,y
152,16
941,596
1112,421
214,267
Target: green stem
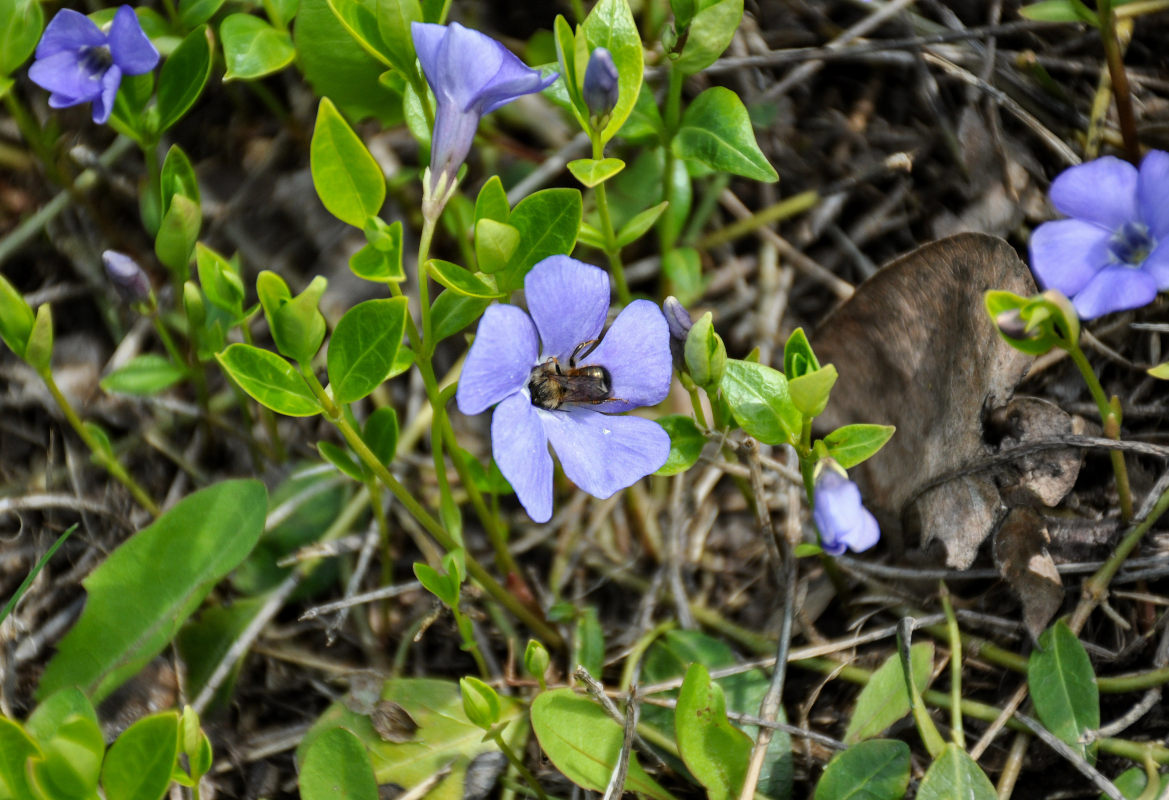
x,y
1110,416
467,632
425,344
612,250
955,669
696,403
518,763
100,454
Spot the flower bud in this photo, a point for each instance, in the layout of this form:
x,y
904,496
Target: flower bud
x,y
1011,323
600,84
679,322
706,355
127,277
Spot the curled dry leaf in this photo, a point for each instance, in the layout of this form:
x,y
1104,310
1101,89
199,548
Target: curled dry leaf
x,y
915,349
1020,553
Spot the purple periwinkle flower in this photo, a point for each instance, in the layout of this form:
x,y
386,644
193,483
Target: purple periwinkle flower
x,y
470,74
600,83
557,381
1113,254
78,62
126,276
836,507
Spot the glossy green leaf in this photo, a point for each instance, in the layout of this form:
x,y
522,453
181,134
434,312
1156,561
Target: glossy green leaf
x,y
758,398
336,766
297,325
16,747
21,23
146,374
583,743
955,774
339,457
381,433
715,751
874,770
139,763
809,392
634,229
252,48
705,353
716,131
461,280
347,178
363,347
183,76
884,700
491,203
177,235
359,18
177,178
393,21
495,243
140,595
55,710
196,12
571,77
1132,783
16,318
452,312
269,379
376,265
336,69
71,762
610,25
594,171
798,356
1063,687
548,222
708,33
644,125
686,443
219,280
852,444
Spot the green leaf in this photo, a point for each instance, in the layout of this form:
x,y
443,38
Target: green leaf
x,y
583,743
347,75
336,767
139,764
177,235
874,770
39,350
452,312
381,433
55,710
716,131
633,230
364,345
798,357
15,750
196,12
460,280
708,33
571,78
183,76
206,639
252,48
852,444
339,457
1059,11
72,760
347,179
220,281
588,645
810,392
146,374
594,171
610,25
393,21
1063,687
955,774
297,325
21,23
492,201
359,18
686,443
548,222
713,749
705,353
269,380
177,178
1132,783
884,700
758,398
1160,371
644,125
379,266
495,243
140,595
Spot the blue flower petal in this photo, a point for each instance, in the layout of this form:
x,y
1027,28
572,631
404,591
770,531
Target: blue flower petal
x,y
513,79
1103,191
103,104
568,300
69,31
1115,288
132,50
520,448
636,351
843,522
1153,194
500,359
427,40
603,454
67,77
454,133
1157,265
1068,253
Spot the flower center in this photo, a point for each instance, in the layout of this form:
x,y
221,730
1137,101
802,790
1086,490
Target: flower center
x,y
1131,244
96,60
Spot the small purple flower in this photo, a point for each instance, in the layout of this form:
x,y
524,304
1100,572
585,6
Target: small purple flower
x,y
600,83
1113,254
470,74
836,507
127,277
80,63
516,359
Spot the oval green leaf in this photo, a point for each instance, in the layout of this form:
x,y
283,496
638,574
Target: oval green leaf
x,y
713,749
252,48
183,77
21,23
852,444
874,770
269,380
686,443
139,764
758,397
1063,687
548,222
716,131
146,374
594,171
337,767
632,230
461,280
15,750
884,700
347,178
955,774
364,346
610,25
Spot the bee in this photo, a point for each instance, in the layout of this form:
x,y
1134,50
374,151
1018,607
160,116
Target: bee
x,y
552,385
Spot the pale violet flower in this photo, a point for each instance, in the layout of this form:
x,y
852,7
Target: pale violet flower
x,y
78,62
844,523
1113,254
523,363
470,74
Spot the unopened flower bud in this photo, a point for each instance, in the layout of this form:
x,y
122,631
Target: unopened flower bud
x,y
127,277
1011,323
679,322
600,83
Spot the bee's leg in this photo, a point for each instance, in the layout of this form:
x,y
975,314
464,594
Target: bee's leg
x,y
582,350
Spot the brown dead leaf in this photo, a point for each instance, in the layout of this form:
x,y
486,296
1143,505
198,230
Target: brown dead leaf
x,y
1020,553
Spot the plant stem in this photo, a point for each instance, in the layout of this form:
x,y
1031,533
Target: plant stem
x,y
1120,87
518,763
1110,416
955,669
100,453
612,250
